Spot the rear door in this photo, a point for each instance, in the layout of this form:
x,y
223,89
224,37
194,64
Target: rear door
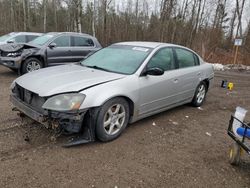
x,y
61,53
189,74
81,47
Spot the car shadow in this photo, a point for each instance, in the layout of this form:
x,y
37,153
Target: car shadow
x,y
7,73
168,113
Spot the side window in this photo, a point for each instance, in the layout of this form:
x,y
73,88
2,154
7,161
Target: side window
x,y
82,41
62,41
31,37
20,38
196,59
163,59
186,58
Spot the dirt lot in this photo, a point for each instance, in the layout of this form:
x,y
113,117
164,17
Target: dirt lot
x,y
174,151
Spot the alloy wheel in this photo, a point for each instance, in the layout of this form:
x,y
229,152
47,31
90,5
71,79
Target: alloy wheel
x,y
114,119
201,93
32,66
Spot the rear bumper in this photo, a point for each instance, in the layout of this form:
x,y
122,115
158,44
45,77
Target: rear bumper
x,y
11,62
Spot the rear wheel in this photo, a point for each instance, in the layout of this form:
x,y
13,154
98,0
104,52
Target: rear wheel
x,y
112,119
30,65
200,95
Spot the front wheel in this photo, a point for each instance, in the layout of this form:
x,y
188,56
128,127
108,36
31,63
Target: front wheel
x,y
112,119
200,95
30,65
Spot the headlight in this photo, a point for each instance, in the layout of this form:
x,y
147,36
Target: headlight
x,y
14,54
64,102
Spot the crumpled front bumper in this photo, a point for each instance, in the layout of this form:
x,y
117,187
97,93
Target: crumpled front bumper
x,y
11,62
69,121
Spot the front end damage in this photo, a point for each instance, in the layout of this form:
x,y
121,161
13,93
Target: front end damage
x,y
12,55
79,123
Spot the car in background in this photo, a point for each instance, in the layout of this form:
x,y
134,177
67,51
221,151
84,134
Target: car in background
x,y
47,50
18,37
117,85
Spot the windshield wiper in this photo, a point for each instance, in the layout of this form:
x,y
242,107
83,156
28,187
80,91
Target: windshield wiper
x,y
99,68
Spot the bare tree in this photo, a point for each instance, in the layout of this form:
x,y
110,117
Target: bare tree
x,y
44,15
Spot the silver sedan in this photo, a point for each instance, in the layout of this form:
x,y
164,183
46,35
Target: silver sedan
x,y
117,85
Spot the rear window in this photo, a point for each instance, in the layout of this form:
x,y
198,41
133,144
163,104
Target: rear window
x,y
82,41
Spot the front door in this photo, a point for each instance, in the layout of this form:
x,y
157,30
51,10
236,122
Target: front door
x,y
61,53
158,92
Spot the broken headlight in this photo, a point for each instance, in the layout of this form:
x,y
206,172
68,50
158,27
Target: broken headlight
x,y
64,102
14,54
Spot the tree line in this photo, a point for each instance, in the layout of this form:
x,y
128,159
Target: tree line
x,y
207,26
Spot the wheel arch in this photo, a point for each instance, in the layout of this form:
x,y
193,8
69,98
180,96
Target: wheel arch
x,y
130,103
39,57
206,81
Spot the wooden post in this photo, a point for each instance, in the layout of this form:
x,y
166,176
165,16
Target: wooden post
x,y
236,54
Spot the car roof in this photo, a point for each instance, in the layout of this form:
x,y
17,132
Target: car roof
x,y
153,45
25,33
70,33
147,44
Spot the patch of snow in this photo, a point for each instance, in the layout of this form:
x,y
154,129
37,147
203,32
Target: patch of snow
x,y
218,67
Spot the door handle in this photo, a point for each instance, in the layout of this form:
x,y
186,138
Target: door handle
x,y
176,80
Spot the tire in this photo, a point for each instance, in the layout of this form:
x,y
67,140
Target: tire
x,y
234,154
200,95
115,114
30,65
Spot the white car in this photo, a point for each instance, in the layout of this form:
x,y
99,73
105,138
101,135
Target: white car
x,y
117,85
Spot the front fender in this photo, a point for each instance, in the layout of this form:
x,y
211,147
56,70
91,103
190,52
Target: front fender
x,y
34,53
126,87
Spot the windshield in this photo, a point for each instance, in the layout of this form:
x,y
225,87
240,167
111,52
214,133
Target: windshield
x,y
118,58
42,39
5,37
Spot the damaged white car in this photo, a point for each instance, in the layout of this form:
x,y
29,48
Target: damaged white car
x,y
117,85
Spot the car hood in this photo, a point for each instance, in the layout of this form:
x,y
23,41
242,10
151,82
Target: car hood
x,y
13,47
63,79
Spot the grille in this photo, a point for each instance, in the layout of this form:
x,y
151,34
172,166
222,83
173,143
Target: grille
x,y
31,99
4,54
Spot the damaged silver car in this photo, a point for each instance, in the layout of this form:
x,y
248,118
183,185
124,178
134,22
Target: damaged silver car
x,y
117,85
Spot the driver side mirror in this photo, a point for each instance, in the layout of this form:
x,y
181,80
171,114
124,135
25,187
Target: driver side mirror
x,y
156,71
10,41
52,45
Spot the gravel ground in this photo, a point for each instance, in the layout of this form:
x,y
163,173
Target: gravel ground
x,y
183,147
